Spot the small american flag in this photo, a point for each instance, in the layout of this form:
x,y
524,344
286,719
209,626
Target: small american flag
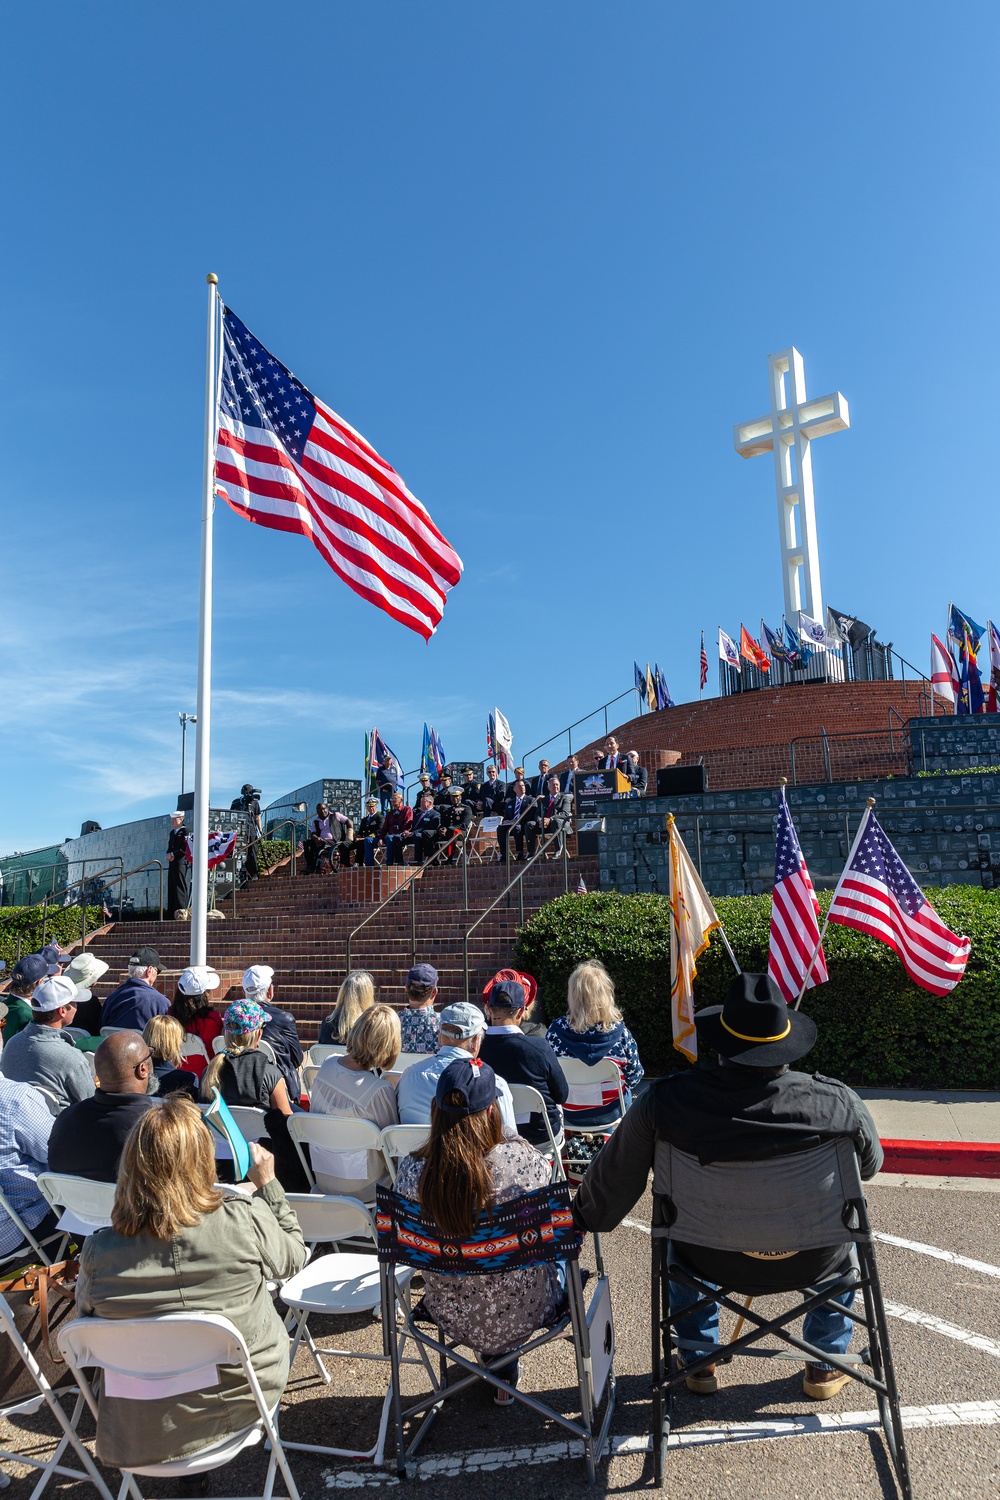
x,y
794,916
704,663
290,463
878,895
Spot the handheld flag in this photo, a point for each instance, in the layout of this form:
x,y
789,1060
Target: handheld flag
x,y
290,463
703,674
499,740
795,959
728,652
663,698
650,689
877,894
376,750
692,919
944,680
751,652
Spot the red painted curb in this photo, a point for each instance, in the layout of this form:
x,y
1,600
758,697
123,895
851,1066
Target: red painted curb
x,y
943,1158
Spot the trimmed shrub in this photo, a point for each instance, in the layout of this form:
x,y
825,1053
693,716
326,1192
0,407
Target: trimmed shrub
x,y
876,1027
270,851
62,926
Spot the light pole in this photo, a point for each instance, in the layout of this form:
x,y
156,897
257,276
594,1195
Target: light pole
x,y
185,719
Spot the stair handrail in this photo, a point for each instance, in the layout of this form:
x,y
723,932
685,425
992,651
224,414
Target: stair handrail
x,y
406,885
568,731
517,880
293,842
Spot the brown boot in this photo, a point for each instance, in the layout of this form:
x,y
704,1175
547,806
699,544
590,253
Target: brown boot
x,y
703,1383
821,1385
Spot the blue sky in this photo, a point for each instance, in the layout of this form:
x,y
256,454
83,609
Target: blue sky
x,y
538,255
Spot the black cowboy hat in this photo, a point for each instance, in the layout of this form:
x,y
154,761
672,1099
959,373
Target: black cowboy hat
x,y
755,1026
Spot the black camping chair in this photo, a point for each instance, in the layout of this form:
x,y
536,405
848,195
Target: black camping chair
x,y
805,1201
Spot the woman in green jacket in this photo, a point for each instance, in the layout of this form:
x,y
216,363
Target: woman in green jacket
x,y
179,1243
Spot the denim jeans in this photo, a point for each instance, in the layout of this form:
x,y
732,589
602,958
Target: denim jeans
x,y
825,1327
370,844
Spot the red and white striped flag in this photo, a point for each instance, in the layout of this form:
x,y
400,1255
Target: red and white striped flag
x,y
795,953
878,895
290,463
944,678
703,664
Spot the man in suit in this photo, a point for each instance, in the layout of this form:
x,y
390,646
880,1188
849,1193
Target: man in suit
x,y
637,775
492,793
517,809
456,821
424,830
613,757
540,783
470,788
442,797
566,783
556,816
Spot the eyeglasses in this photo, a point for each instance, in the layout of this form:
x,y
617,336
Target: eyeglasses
x,y
142,1061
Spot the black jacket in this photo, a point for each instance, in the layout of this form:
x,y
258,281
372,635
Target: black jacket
x,y
370,826
525,814
88,1137
425,823
492,794
283,1035
531,1060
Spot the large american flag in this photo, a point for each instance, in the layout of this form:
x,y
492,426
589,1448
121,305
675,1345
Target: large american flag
x,y
289,462
795,953
878,895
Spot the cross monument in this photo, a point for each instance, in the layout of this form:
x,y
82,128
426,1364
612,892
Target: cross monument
x,y
787,432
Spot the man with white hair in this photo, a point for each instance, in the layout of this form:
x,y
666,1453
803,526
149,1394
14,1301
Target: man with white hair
x,y
280,1030
136,1001
460,1034
43,1055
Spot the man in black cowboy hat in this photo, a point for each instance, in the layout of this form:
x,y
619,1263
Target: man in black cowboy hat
x,y
749,1108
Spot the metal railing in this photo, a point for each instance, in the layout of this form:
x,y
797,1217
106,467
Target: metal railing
x,y
48,897
414,872
568,731
293,843
29,870
877,740
519,882
119,880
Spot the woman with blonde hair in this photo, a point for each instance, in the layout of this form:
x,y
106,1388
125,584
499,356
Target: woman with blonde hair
x,y
355,996
351,1087
592,1030
164,1036
180,1243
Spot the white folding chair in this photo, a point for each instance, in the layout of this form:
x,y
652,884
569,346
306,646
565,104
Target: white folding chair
x,y
75,1031
341,1284
250,1121
53,1101
218,1045
403,1061
86,1205
145,1358
483,843
587,1089
399,1140
308,1073
31,1245
110,1030
28,1406
319,1052
331,1133
193,1046
528,1101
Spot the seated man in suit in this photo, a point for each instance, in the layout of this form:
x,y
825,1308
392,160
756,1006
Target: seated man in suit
x,y
556,816
442,797
637,775
492,794
517,809
397,822
540,784
456,822
424,829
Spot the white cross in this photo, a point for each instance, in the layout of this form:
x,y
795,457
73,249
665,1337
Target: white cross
x,y
787,432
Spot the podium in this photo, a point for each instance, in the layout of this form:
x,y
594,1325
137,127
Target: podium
x,y
594,787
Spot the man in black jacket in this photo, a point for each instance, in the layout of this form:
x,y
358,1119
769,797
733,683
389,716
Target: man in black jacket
x,y
456,821
424,829
424,785
366,835
87,1138
518,808
749,1108
179,871
523,1059
492,793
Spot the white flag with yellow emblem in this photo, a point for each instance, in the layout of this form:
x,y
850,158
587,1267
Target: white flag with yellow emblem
x,y
692,918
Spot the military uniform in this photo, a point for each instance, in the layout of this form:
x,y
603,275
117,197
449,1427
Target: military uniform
x,y
178,871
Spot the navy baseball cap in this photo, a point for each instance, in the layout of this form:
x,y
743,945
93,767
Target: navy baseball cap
x,y
506,994
31,968
422,974
474,1080
148,957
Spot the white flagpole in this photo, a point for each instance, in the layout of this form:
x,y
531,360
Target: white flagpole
x,y
826,922
199,841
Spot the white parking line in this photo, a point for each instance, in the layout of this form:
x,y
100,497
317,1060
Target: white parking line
x,y
982,1266
947,1330
489,1460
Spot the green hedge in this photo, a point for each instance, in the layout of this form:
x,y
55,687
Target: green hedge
x,y
62,926
270,851
875,1026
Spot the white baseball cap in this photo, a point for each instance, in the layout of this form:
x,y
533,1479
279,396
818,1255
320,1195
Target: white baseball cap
x,y
197,979
257,977
53,992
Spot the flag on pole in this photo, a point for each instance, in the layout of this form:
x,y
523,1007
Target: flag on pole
x,y
751,651
499,740
663,698
290,463
944,679
817,634
703,675
650,689
877,894
798,652
794,915
771,639
435,756
640,680
692,919
728,652
854,632
993,702
959,623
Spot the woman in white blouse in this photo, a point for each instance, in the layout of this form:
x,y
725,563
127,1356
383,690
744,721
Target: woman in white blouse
x,y
351,1088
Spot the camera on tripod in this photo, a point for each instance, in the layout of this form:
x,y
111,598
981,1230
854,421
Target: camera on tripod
x,y
249,794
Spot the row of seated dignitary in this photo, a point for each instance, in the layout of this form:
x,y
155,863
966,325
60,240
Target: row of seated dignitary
x,y
528,818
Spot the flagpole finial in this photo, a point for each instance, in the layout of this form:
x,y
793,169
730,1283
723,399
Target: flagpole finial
x,y
870,802
783,780
212,279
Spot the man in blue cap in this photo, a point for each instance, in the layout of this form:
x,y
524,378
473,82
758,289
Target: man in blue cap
x,y
462,1027
138,1000
28,971
418,1023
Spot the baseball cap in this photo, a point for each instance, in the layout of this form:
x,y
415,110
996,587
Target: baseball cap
x,y
467,1020
506,994
85,969
245,1015
474,1080
31,968
54,957
52,993
422,974
197,979
148,957
257,977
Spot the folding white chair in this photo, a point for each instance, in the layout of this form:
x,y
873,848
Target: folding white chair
x,y
53,1101
86,1205
250,1121
349,1138
31,1245
341,1284
28,1406
110,1030
403,1061
319,1052
399,1140
528,1101
483,843
76,1032
308,1073
146,1358
218,1045
193,1046
590,1086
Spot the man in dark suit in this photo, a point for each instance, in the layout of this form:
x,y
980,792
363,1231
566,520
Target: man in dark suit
x,y
456,821
442,797
492,794
566,777
470,788
637,775
517,809
424,786
556,816
539,785
613,757
424,830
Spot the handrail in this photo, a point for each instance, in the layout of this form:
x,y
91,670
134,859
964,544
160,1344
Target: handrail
x,y
119,880
9,915
26,870
414,871
826,740
518,878
568,731
287,823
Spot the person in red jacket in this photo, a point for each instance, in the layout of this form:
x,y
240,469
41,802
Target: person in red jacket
x,y
397,822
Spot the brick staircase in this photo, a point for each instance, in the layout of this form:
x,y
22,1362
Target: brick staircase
x,y
300,927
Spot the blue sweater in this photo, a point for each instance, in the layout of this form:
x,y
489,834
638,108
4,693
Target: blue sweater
x,y
530,1060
